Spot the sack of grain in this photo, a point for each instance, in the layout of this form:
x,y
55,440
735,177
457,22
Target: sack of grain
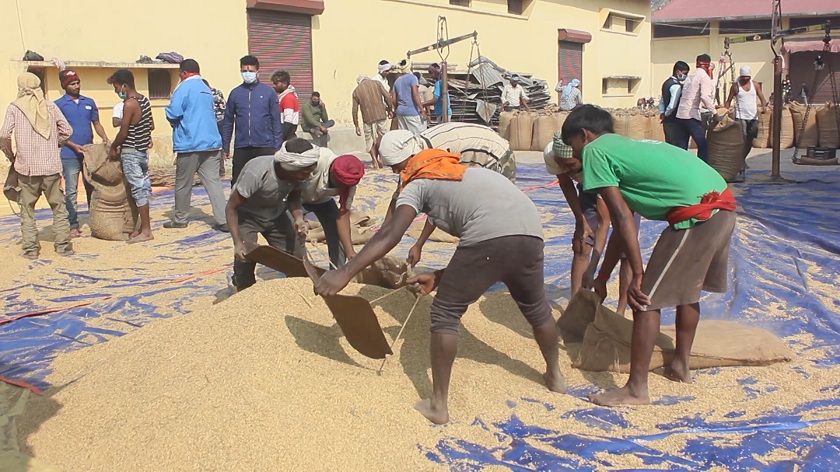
x,y
787,129
544,128
638,125
559,119
828,126
113,216
577,316
657,132
726,146
763,138
620,121
810,134
521,131
505,119
606,345
388,272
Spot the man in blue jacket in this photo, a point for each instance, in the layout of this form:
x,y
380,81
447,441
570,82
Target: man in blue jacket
x,y
197,143
254,109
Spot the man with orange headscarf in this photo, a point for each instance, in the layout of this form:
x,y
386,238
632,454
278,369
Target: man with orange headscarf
x,y
501,240
40,129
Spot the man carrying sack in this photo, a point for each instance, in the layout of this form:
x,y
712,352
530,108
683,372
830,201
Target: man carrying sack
x,y
665,183
501,240
40,129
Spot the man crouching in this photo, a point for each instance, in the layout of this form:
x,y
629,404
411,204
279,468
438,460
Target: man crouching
x,y
501,240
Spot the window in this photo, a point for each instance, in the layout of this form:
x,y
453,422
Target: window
x,y
621,22
620,85
160,84
745,27
518,7
680,30
460,3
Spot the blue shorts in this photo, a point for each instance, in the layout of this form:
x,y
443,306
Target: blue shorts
x,y
136,169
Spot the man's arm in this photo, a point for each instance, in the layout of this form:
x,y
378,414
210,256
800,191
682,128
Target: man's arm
x,y
232,215
731,95
309,120
390,101
675,100
276,125
227,124
326,116
707,90
64,128
344,237
415,94
417,250
625,227
379,245
100,131
131,110
6,133
176,108
760,94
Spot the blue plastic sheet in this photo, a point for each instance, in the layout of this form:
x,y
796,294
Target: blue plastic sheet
x,y
784,252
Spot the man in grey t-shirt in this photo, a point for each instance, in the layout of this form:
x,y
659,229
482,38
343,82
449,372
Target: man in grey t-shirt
x,y
266,191
501,241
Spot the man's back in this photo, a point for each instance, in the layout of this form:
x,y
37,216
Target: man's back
x,y
264,191
483,206
404,87
696,85
191,110
36,155
371,96
466,138
653,176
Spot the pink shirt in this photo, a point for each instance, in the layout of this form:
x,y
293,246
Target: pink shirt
x,y
698,89
35,155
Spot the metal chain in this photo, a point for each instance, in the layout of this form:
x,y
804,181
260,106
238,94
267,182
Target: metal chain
x,y
818,67
443,35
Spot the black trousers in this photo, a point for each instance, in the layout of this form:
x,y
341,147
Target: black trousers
x,y
241,156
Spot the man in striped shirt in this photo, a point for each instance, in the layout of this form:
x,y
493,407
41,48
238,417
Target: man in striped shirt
x,y
375,103
132,145
39,129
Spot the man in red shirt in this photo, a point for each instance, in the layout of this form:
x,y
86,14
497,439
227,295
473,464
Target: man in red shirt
x,y
289,105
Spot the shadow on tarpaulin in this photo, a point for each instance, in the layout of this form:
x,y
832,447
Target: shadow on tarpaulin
x,y
785,236
780,243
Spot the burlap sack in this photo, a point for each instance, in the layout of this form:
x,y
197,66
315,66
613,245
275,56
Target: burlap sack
x,y
578,315
787,129
521,130
638,125
113,216
726,147
606,344
505,119
437,235
544,129
657,132
827,125
620,122
810,134
360,230
762,140
388,272
559,119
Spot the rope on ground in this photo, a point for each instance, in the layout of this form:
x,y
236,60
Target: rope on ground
x,y
416,301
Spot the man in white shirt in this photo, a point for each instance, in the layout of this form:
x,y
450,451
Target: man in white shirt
x,y
514,96
383,68
697,92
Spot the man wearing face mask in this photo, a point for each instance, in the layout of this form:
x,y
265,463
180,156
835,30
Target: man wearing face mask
x,y
316,122
670,99
697,92
254,111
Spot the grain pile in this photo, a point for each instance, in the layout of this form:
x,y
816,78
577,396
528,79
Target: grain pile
x,y
264,379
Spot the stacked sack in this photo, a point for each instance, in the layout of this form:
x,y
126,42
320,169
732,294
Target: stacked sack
x,y
827,125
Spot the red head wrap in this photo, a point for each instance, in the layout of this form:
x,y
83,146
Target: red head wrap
x,y
347,170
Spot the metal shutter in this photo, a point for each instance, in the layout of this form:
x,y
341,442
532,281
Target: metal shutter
x,y
570,62
282,40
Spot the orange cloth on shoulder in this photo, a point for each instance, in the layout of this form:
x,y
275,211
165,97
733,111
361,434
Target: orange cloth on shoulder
x,y
435,164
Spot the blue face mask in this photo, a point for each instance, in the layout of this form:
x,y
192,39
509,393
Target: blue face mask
x,y
249,77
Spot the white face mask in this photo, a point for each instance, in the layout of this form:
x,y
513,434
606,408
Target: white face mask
x,y
249,77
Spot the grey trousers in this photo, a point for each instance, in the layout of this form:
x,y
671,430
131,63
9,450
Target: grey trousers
x,y
206,163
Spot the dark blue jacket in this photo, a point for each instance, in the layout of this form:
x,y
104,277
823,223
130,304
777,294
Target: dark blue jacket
x,y
255,111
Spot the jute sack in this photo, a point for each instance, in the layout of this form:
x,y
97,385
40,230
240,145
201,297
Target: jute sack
x,y
726,147
360,230
620,122
638,125
505,119
810,136
113,216
657,132
578,315
544,129
787,129
762,140
388,272
827,125
521,131
606,345
559,119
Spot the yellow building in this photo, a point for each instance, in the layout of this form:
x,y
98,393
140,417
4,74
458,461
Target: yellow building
x,y
683,29
325,45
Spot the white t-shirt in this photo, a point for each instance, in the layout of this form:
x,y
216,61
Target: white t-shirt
x,y
118,110
511,95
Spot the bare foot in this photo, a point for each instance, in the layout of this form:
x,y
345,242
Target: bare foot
x,y
75,233
140,238
678,372
555,382
620,396
433,414
134,235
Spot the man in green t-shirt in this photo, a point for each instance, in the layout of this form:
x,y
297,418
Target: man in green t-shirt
x,y
660,182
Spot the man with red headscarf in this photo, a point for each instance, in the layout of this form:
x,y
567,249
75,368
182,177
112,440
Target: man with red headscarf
x,y
334,176
697,91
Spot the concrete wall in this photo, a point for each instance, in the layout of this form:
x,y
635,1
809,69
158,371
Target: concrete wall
x,y
350,38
